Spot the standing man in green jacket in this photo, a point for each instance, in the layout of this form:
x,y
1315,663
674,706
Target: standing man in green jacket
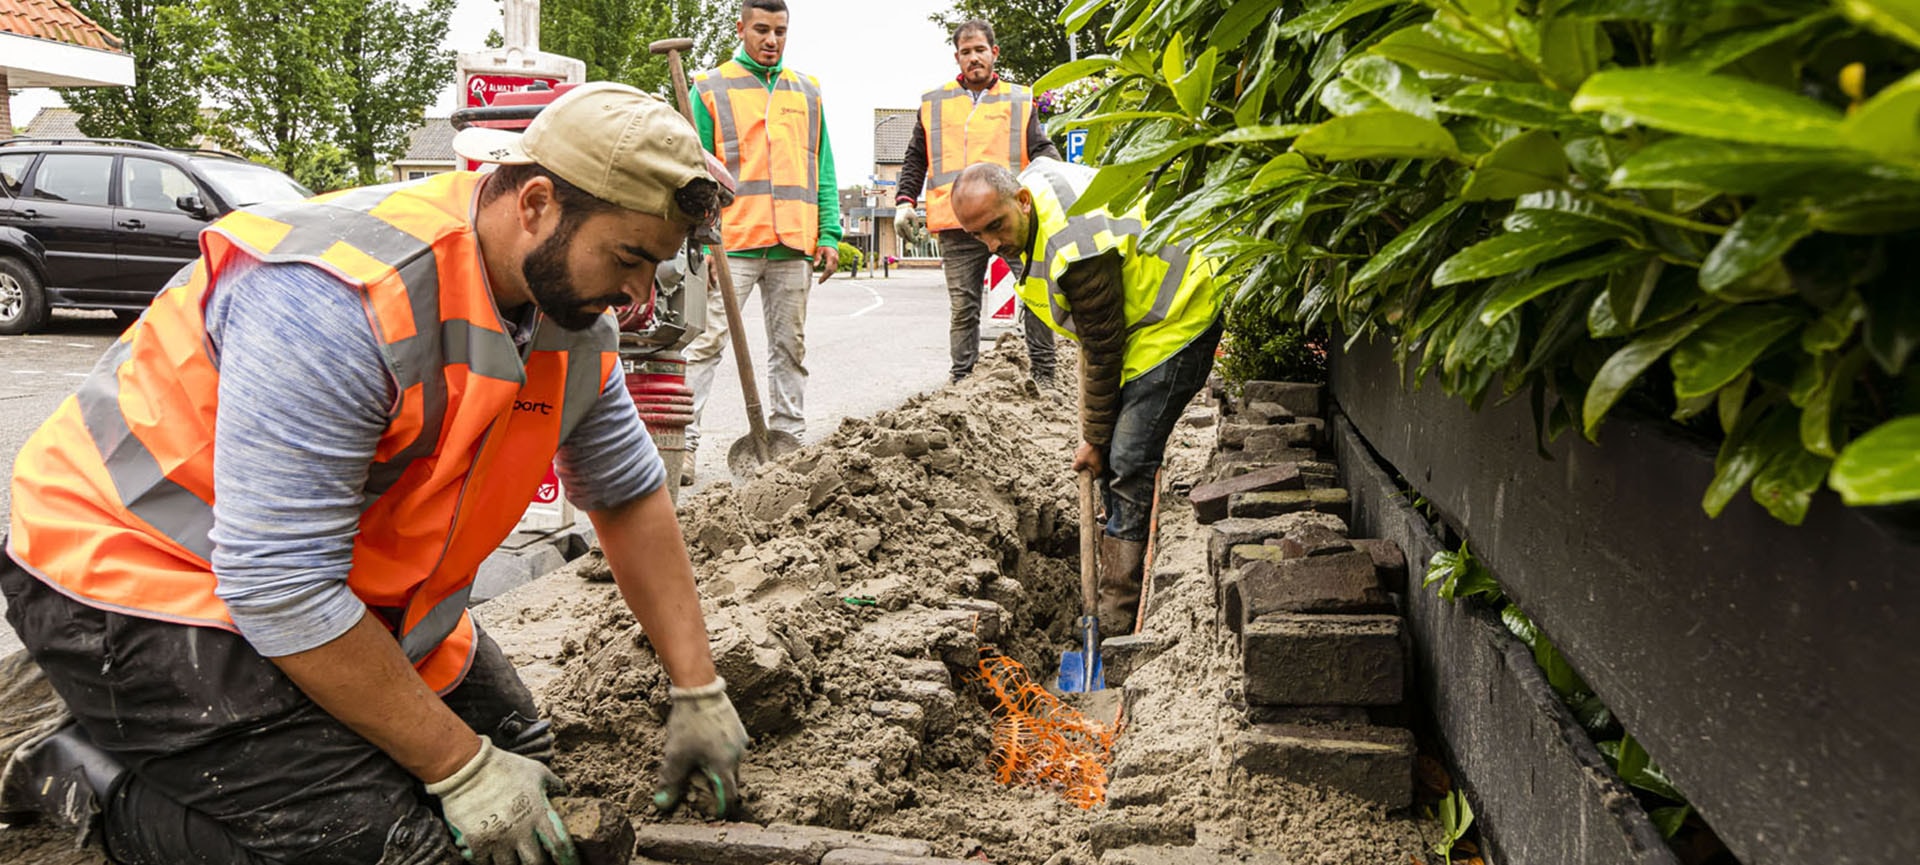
x,y
767,124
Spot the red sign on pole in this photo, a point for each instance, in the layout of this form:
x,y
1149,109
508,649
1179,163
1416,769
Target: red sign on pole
x,y
482,88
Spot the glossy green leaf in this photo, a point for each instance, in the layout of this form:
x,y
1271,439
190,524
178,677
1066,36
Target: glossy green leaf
x,y
1567,210
1506,253
1719,352
1378,135
1670,819
1897,18
1250,134
1822,407
1760,432
1732,399
1727,46
1173,61
1067,73
1750,169
1079,12
1280,170
1889,124
1626,365
1666,11
1513,296
1191,89
1391,84
1786,483
1835,326
1324,19
1407,241
1881,467
1571,49
1711,106
1517,104
1529,162
1342,97
1421,49
1127,117
1239,21
1758,238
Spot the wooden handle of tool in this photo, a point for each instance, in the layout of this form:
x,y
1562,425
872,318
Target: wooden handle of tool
x,y
1089,549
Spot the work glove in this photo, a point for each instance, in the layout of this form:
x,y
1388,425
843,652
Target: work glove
x,y
906,222
497,807
703,733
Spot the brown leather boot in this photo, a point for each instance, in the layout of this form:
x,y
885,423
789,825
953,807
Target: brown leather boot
x,y
1121,563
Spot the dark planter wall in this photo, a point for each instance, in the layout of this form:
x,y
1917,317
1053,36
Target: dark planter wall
x,y
1770,670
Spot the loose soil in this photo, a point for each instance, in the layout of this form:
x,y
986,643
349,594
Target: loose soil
x,y
850,588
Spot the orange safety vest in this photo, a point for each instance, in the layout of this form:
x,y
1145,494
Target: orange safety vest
x,y
770,140
113,495
962,131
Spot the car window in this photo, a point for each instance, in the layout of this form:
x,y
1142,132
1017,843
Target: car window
x,y
244,183
149,184
13,170
76,178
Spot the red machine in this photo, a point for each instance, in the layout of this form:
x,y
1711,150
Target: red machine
x,y
653,334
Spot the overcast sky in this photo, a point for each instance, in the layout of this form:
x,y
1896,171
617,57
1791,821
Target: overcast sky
x,y
867,55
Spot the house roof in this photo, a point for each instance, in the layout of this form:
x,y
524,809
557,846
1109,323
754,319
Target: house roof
x,y
54,122
892,132
55,21
432,141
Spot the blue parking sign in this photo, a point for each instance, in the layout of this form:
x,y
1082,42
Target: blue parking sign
x,y
1076,145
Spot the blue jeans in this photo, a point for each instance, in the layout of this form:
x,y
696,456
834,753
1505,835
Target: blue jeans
x,y
1149,407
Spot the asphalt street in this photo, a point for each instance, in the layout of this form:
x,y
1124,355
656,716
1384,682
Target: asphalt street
x,y
872,343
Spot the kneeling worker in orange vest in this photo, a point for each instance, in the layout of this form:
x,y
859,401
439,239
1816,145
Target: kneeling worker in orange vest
x,y
242,552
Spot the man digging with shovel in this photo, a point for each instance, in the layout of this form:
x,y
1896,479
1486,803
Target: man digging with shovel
x,y
242,552
1147,321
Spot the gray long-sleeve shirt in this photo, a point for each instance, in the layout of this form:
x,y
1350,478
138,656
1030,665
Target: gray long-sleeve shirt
x,y
304,399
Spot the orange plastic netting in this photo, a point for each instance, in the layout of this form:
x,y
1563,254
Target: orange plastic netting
x,y
1039,741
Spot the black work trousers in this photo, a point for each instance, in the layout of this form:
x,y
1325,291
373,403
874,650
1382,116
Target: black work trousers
x,y
229,763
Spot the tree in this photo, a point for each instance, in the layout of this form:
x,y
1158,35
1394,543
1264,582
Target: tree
x,y
1031,38
274,65
163,105
611,36
393,67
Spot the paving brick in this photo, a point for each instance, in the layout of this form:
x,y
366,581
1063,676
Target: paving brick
x,y
1130,831
738,843
1229,464
1226,534
1372,763
1333,501
1210,500
1270,446
854,856
1232,434
1120,656
1246,554
1312,716
601,831
1312,539
1326,660
1273,504
1280,436
1335,583
1300,400
1145,855
1317,474
1388,562
1200,417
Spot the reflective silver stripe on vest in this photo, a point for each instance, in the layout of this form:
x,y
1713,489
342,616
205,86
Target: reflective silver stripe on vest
x,y
143,487
584,350
937,175
1083,230
1176,256
420,640
730,132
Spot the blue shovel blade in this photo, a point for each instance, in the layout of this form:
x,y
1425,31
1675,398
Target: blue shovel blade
x,y
1073,673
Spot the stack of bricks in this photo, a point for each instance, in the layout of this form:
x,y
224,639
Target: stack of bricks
x,y
1315,613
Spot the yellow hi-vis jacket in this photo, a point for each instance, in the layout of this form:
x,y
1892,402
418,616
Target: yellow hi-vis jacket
x,y
1171,295
770,140
962,131
113,496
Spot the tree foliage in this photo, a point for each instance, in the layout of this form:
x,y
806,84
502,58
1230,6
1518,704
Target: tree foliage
x,y
1702,208
165,40
389,54
1028,32
612,36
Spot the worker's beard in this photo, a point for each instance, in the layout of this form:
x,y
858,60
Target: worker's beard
x,y
551,284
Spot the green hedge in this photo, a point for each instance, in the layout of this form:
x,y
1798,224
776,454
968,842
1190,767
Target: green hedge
x,y
1706,208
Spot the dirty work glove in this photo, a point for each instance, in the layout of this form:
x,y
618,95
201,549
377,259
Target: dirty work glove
x,y
905,221
705,734
497,807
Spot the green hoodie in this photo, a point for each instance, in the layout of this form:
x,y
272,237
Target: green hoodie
x,y
829,190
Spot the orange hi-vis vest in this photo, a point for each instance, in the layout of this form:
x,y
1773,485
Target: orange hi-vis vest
x,y
770,140
962,130
113,495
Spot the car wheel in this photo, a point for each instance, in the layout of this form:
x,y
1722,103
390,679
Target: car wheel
x,y
23,305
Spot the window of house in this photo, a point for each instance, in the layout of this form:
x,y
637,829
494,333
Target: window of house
x,y
416,175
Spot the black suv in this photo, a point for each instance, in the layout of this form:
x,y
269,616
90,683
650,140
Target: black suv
x,y
98,223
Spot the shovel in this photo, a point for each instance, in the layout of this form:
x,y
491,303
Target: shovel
x,y
1080,671
760,444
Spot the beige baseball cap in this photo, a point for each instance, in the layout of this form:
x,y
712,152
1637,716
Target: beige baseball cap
x,y
617,143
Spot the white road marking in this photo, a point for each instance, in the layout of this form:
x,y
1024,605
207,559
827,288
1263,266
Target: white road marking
x,y
76,375
78,344
878,301
29,372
